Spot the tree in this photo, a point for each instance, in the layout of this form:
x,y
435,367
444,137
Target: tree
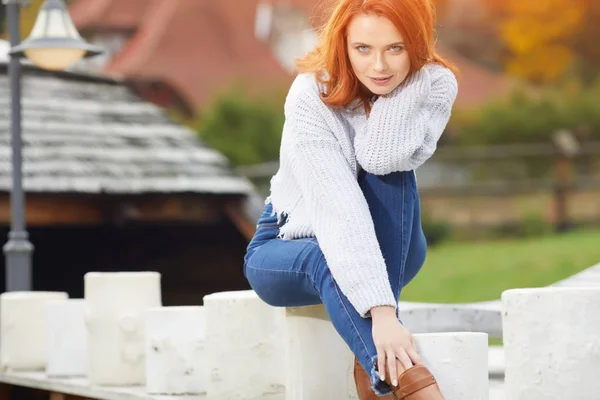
x,y
539,36
28,16
2,17
526,117
245,128
466,27
585,42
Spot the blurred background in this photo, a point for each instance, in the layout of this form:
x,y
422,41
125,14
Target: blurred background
x,y
157,154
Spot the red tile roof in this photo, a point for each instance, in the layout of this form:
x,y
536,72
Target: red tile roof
x,y
199,46
476,84
103,15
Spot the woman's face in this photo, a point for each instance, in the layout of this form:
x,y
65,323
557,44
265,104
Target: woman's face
x,y
377,53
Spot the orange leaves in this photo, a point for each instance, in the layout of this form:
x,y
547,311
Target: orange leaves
x,y
537,35
28,16
544,63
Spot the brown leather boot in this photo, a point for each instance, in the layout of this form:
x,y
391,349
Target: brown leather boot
x,y
417,383
363,384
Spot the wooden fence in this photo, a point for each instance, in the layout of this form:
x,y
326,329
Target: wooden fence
x,y
485,186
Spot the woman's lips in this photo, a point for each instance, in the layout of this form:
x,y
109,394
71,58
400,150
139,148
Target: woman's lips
x,y
381,81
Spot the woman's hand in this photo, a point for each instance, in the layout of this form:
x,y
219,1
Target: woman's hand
x,y
396,348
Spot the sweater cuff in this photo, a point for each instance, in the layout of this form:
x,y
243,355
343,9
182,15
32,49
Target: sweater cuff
x,y
372,292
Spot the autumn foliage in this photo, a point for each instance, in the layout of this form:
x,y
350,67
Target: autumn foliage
x,y
28,16
543,38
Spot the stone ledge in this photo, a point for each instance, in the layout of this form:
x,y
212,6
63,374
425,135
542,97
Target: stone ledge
x,y
81,387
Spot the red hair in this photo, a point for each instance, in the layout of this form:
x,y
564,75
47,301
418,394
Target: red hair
x,y
414,19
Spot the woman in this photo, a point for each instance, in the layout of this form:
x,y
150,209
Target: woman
x,y
342,224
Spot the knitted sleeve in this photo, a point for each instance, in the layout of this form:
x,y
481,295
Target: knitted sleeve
x,y
404,126
336,205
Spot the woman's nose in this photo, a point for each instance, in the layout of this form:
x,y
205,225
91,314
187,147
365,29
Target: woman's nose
x,y
380,64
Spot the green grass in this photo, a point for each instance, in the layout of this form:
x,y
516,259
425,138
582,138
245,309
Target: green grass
x,y
479,271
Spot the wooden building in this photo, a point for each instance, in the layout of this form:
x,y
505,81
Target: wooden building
x,y
113,184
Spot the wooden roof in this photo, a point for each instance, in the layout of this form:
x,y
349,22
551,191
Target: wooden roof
x,y
109,14
92,135
198,47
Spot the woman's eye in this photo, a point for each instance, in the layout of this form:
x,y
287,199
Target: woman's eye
x,y
363,49
396,49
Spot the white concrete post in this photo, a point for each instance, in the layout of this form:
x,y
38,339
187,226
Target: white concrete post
x,y
23,329
319,362
459,362
116,306
552,343
67,339
244,346
175,360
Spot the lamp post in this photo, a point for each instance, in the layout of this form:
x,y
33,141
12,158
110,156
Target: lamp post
x,y
53,44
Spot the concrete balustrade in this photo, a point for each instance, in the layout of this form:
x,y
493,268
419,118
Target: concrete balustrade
x,y
552,343
175,359
115,315
244,347
459,362
320,364
434,318
238,347
23,344
66,338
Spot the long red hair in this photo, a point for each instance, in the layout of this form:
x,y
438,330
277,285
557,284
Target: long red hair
x,y
415,21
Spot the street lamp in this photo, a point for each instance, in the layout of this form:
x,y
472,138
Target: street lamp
x,y
53,44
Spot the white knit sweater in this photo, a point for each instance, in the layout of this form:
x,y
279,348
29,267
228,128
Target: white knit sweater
x,y
322,150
